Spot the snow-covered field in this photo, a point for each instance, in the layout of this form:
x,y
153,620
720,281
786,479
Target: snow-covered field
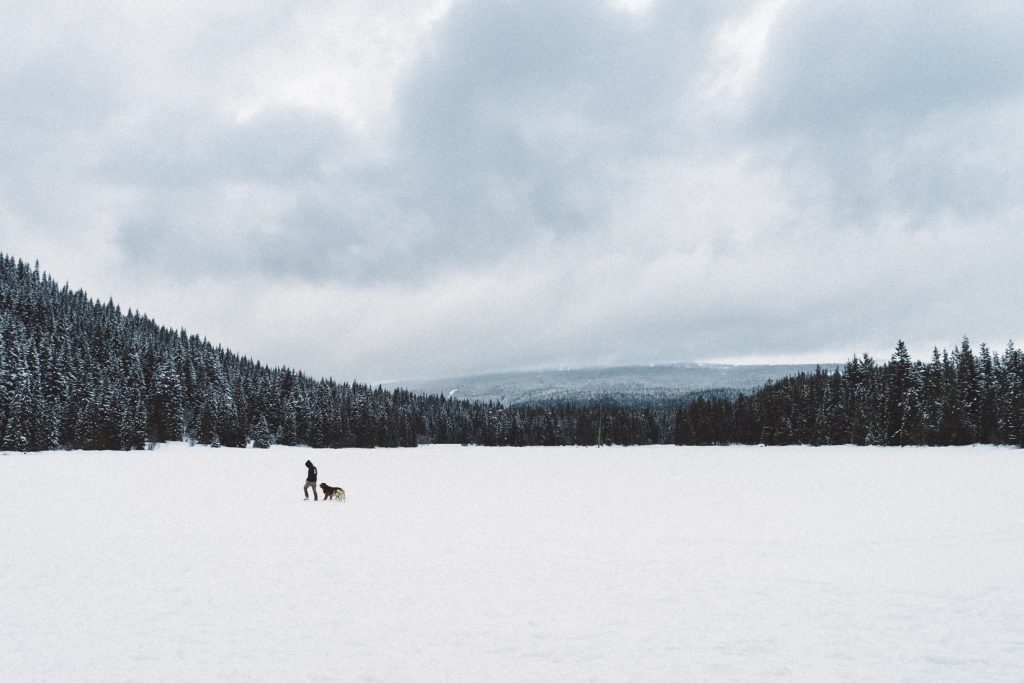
x,y
475,564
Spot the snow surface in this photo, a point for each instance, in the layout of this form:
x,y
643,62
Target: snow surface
x,y
482,564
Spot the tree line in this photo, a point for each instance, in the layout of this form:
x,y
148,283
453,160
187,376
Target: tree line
x,y
957,398
76,373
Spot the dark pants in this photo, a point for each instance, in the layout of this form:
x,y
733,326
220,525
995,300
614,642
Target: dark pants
x,y
305,489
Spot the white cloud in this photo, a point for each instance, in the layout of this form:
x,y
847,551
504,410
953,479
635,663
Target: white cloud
x,y
740,47
634,7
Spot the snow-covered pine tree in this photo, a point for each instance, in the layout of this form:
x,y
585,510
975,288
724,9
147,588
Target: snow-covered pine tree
x,y
288,435
968,393
133,421
167,403
18,386
1010,400
6,377
988,431
42,422
902,403
261,433
933,396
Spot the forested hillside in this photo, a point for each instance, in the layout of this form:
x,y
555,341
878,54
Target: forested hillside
x,y
78,373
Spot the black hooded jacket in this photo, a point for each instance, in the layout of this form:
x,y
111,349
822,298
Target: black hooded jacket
x,y
311,476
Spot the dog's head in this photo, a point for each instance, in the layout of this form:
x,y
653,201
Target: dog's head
x,y
324,487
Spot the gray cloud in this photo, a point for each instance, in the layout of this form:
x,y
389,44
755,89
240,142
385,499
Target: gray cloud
x,y
853,65
516,121
525,183
506,131
904,108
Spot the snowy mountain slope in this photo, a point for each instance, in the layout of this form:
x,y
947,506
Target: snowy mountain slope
x,y
645,382
528,564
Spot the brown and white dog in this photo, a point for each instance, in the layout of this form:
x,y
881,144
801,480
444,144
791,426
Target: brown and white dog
x,y
335,492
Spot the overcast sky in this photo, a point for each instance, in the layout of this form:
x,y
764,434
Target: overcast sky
x,y
388,189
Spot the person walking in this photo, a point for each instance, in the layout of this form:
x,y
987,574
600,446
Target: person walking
x,y
310,480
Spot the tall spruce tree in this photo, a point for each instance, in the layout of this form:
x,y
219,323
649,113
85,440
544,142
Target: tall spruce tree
x,y
167,403
968,393
17,431
261,433
988,431
903,401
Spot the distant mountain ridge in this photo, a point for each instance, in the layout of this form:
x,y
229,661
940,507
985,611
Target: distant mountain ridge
x,y
626,383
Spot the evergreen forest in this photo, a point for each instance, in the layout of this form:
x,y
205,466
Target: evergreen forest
x,y
79,374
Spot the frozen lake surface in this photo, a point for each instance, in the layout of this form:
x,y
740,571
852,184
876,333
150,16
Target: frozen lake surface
x,y
485,564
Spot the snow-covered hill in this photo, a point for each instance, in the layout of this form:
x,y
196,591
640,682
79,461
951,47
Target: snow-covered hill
x,y
476,564
639,382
